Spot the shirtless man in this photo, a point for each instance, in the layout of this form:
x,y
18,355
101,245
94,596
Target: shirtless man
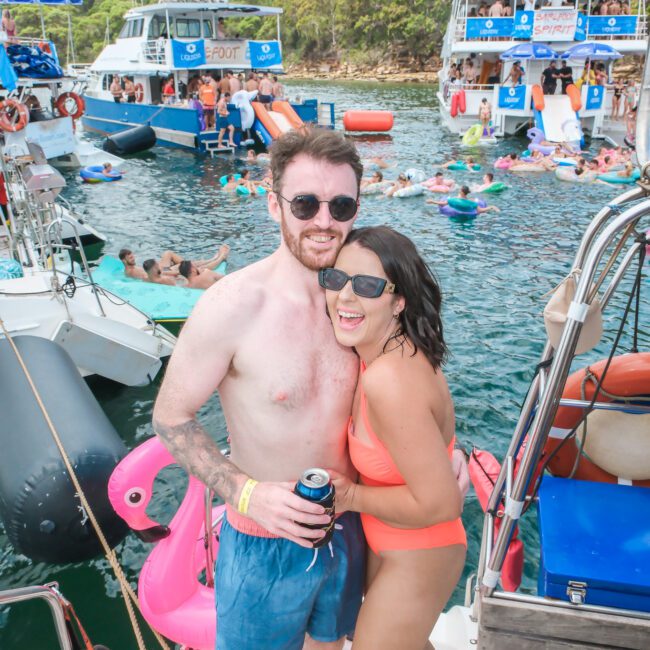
x,y
278,88
116,89
251,83
196,278
285,384
168,263
265,91
154,273
222,121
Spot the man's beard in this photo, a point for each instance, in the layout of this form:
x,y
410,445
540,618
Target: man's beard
x,y
311,261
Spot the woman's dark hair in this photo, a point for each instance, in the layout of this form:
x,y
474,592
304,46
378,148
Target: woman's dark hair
x,y
420,320
185,268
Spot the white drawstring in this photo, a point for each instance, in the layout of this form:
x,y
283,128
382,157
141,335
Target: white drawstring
x,y
329,545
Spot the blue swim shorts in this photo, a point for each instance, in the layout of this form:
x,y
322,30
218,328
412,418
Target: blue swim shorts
x,y
267,599
222,122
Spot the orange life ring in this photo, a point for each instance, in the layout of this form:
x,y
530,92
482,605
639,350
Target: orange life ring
x,y
62,103
14,115
454,105
628,376
139,93
44,46
462,105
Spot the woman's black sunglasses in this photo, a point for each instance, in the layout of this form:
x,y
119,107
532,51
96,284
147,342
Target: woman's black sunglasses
x,y
306,206
366,286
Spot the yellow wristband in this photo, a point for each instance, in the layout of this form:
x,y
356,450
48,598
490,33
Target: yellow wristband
x,y
245,496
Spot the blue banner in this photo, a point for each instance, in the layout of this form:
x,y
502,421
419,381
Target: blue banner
x,y
612,25
581,28
523,28
7,73
512,97
595,95
265,54
488,27
188,55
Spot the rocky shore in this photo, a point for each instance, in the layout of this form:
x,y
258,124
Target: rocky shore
x,y
411,71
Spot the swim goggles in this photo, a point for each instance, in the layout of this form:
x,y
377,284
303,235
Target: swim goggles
x,y
365,286
306,206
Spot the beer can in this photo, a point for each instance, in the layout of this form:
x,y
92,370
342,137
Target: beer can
x,y
315,485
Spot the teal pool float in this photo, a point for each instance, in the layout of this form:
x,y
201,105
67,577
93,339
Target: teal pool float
x,y
169,306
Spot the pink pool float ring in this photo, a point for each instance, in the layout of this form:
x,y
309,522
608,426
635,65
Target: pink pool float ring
x,y
172,599
434,185
504,163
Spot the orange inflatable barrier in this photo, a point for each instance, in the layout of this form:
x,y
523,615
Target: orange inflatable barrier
x,y
462,102
574,95
267,121
538,97
454,105
367,120
291,115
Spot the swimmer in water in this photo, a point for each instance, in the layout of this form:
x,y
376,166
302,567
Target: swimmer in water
x,y
464,193
401,183
488,180
377,177
469,162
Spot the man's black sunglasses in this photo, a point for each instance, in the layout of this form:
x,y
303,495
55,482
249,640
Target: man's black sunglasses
x,y
366,286
306,206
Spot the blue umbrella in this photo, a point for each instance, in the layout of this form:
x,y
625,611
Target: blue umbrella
x,y
529,50
591,50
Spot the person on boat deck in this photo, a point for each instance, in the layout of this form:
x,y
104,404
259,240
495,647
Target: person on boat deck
x,y
284,383
265,95
197,278
549,79
235,84
377,177
169,93
379,293
224,84
278,89
208,99
129,90
565,74
193,85
495,73
222,121
9,26
221,28
515,75
463,193
496,10
252,82
169,262
116,89
485,115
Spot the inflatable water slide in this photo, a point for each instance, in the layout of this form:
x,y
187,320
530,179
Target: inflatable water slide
x,y
557,115
270,125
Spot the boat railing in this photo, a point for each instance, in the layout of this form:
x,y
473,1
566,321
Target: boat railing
x,y
614,226
155,51
49,593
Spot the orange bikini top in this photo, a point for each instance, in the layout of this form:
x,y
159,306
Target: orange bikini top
x,y
371,459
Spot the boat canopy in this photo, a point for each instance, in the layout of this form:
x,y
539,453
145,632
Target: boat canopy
x,y
225,9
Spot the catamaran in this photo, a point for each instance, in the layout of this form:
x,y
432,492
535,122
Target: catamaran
x,y
181,41
491,46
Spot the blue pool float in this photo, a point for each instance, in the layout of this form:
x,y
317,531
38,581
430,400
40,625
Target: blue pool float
x,y
465,213
244,191
224,179
613,177
95,174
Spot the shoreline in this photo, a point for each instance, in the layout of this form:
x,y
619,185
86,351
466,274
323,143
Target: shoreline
x,y
389,73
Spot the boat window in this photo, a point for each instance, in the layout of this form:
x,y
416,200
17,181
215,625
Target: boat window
x,y
132,28
158,28
188,28
207,29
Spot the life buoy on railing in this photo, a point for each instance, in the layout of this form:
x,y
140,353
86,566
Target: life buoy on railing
x,y
14,115
617,446
64,105
462,103
44,46
139,93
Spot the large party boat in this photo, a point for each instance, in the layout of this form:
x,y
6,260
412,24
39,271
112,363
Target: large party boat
x,y
490,46
180,41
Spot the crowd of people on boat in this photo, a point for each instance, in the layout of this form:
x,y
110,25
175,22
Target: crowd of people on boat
x,y
506,8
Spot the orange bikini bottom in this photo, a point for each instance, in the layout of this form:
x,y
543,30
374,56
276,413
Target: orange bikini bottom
x,y
382,537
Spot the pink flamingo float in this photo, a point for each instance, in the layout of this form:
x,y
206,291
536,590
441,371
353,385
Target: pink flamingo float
x,y
172,598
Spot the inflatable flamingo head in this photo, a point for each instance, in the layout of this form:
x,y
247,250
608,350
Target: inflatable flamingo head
x,y
130,487
535,135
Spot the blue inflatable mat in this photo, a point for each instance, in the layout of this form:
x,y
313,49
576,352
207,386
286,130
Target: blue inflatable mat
x,y
160,302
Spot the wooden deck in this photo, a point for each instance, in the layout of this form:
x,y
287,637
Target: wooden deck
x,y
508,624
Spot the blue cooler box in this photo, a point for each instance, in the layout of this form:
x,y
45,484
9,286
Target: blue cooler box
x,y
595,543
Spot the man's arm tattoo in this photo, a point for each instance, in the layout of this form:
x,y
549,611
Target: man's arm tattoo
x,y
194,449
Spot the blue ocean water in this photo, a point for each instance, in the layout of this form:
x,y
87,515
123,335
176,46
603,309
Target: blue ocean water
x,y
494,272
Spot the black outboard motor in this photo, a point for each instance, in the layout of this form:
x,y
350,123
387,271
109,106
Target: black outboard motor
x,y
139,138
42,515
